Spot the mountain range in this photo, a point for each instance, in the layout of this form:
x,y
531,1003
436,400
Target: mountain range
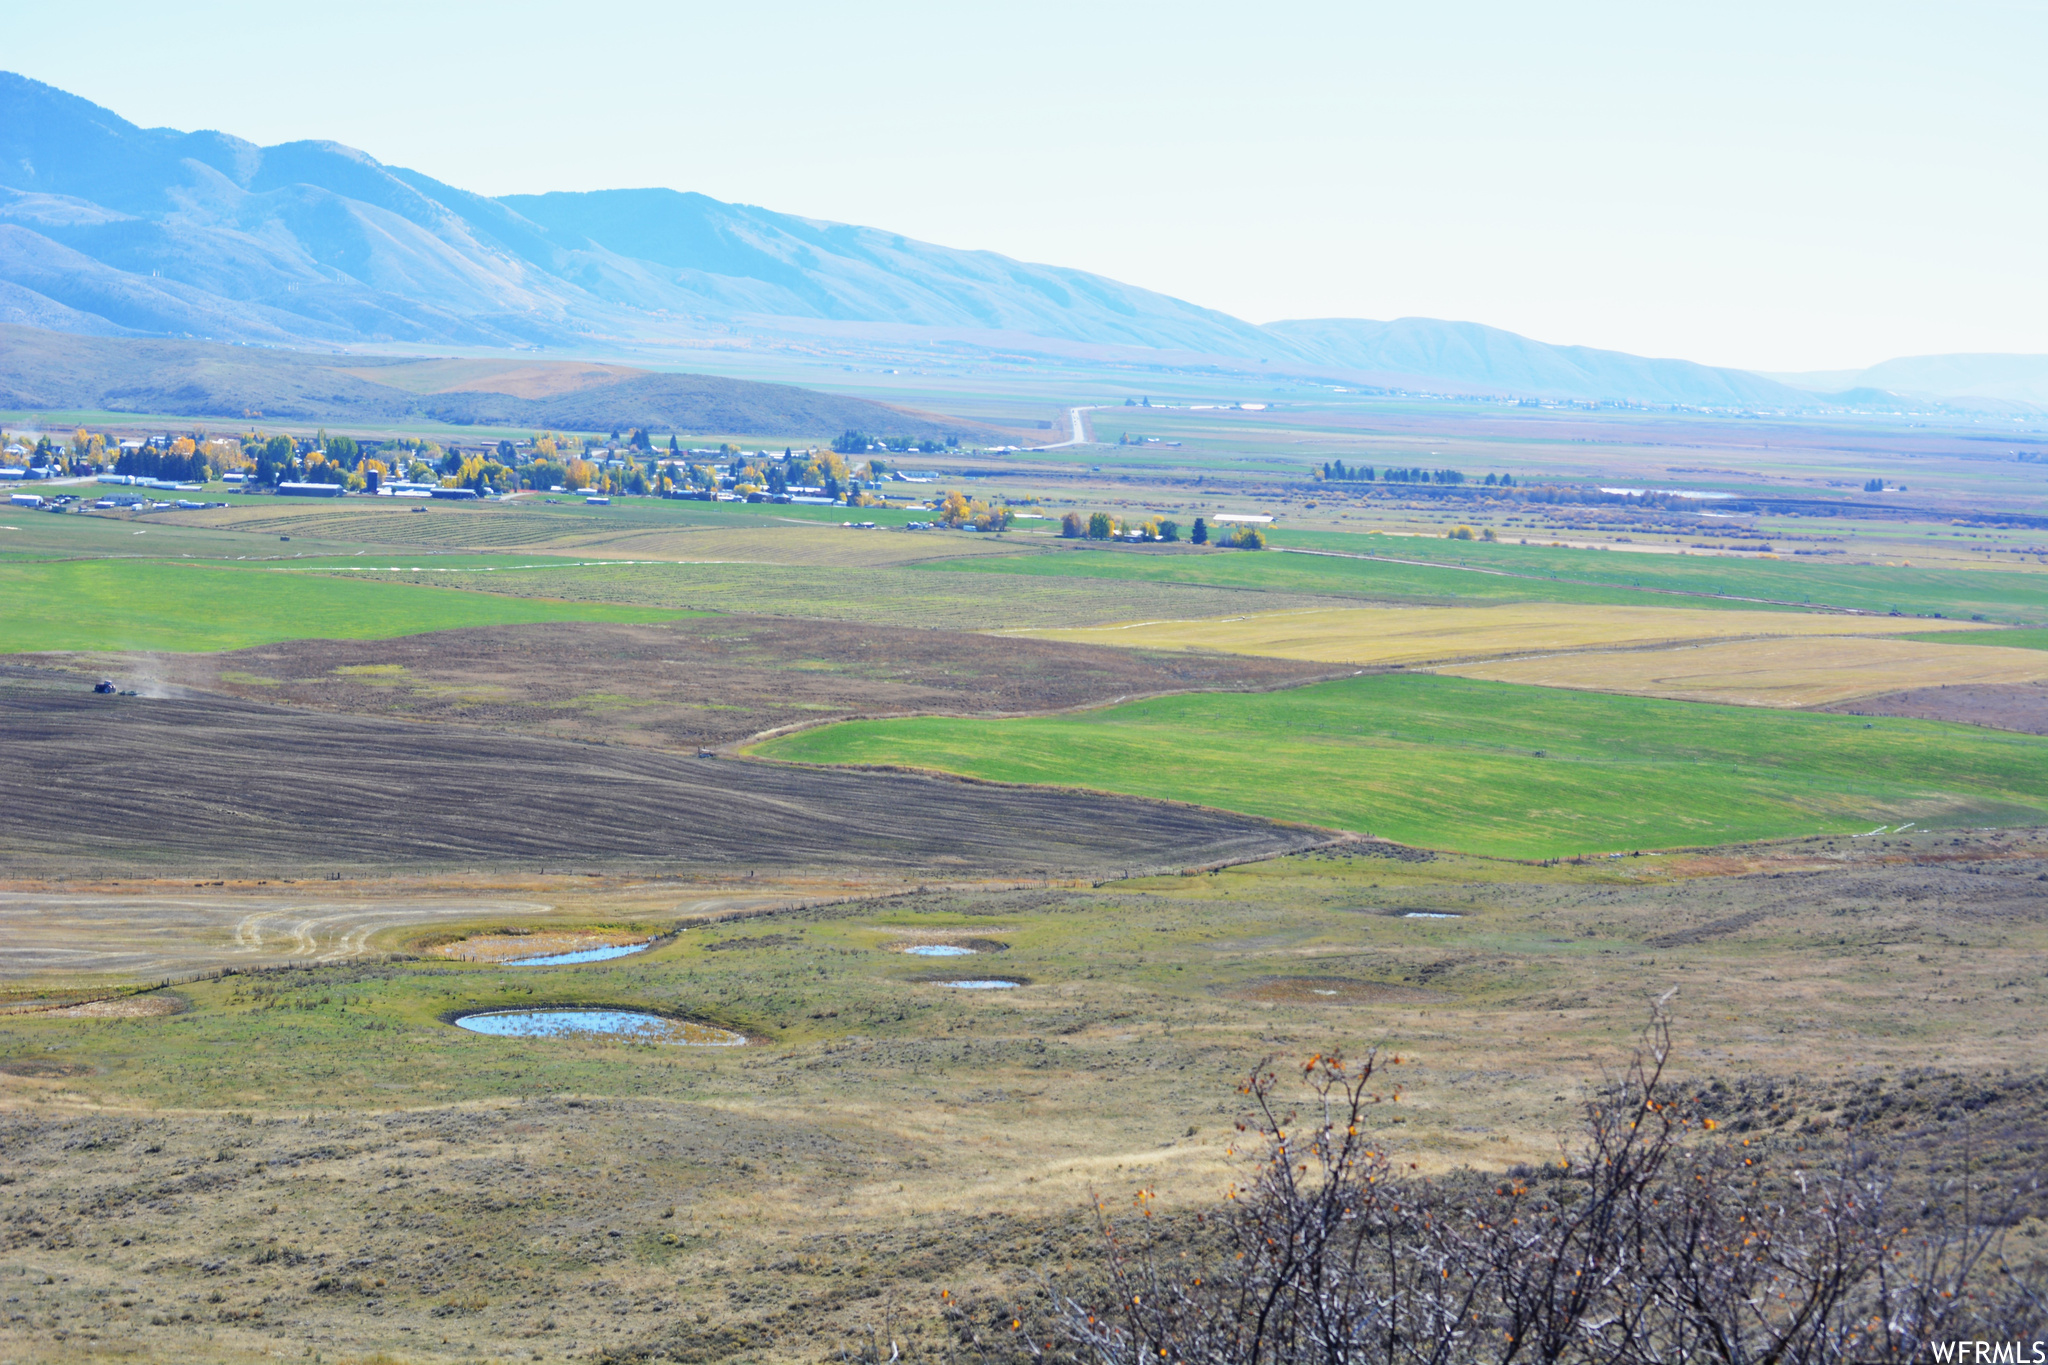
x,y
110,229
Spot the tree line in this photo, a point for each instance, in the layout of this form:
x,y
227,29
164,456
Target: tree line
x,y
1336,471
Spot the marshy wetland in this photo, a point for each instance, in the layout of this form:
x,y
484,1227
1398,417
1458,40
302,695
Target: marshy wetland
x,y
312,1156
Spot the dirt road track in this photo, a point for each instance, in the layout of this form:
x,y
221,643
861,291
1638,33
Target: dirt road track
x,y
218,787
83,937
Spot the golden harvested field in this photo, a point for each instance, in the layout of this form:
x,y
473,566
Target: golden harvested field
x,y
1418,635
1816,671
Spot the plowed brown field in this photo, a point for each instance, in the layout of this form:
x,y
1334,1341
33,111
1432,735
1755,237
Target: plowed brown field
x,y
2013,706
696,683
214,786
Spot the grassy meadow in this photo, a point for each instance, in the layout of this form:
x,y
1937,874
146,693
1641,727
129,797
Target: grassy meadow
x,y
2009,639
170,605
1491,768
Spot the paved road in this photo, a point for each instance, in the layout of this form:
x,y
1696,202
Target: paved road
x,y
1080,437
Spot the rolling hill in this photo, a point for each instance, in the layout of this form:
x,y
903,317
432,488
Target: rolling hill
x,y
45,371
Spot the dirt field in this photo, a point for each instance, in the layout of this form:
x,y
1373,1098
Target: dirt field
x,y
236,788
2020,706
1783,673
312,1162
222,787
696,683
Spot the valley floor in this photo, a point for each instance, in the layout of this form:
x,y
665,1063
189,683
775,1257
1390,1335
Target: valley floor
x,y
312,1160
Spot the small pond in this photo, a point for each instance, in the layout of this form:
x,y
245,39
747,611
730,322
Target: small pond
x,y
939,950
1429,914
633,1026
600,954
990,984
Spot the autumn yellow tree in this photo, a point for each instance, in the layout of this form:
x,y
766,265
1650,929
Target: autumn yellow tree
x,y
954,507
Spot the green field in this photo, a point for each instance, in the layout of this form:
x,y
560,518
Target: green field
x,y
180,607
1489,767
2011,639
1519,573
897,595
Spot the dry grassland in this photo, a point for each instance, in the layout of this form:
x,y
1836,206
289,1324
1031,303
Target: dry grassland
x,y
1785,673
64,941
494,376
1429,635
311,1162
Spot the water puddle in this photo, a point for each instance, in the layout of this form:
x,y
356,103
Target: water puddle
x,y
1429,914
632,1026
939,950
609,950
544,947
1334,990
990,984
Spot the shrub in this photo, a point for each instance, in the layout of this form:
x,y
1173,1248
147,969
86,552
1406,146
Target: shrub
x,y
1657,1240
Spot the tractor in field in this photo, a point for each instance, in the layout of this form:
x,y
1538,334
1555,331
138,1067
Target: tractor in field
x,y
104,687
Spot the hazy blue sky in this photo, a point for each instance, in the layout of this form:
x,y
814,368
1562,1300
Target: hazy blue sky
x,y
1780,186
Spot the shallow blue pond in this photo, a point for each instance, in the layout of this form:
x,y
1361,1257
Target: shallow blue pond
x,y
632,1026
580,955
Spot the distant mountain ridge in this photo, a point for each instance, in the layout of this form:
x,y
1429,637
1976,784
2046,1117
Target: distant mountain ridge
x,y
110,229
2003,378
1487,357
